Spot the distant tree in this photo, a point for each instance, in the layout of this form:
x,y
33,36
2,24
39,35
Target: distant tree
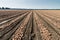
x,y
2,7
7,8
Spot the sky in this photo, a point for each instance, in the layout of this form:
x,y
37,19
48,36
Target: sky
x,y
33,4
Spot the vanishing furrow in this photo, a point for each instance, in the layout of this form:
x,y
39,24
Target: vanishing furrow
x,y
19,32
53,20
9,28
36,30
27,33
56,29
13,16
53,33
43,31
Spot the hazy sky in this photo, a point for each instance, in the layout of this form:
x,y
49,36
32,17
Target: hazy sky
x,y
42,4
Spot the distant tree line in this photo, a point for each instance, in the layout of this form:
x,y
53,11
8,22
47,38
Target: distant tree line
x,y
4,8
